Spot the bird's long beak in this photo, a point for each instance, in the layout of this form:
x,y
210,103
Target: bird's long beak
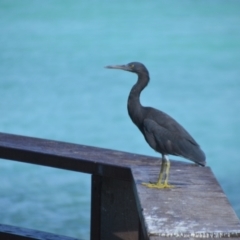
x,y
122,67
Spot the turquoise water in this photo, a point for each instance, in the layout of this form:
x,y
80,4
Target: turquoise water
x,y
53,85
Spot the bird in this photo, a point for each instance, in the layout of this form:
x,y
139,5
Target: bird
x,y
163,133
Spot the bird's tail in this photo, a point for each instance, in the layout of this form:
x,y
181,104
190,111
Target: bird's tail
x,y
199,157
196,154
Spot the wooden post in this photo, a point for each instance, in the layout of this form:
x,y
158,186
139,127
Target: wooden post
x,y
95,231
114,213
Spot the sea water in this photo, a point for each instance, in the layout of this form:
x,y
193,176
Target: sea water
x,y
53,85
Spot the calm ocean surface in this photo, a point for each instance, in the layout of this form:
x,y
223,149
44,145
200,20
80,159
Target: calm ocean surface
x,y
53,85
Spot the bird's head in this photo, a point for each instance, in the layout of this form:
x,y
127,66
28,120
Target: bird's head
x,y
135,67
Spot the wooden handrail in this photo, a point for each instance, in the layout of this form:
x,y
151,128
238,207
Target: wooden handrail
x,y
122,208
75,157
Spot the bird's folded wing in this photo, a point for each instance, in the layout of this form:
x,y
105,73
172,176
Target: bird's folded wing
x,y
168,142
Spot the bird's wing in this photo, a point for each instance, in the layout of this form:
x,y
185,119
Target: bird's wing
x,y
166,141
167,122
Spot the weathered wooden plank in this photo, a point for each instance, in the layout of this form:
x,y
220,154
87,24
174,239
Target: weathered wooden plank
x,y
195,208
17,233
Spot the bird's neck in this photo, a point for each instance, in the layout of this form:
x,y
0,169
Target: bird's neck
x,y
135,109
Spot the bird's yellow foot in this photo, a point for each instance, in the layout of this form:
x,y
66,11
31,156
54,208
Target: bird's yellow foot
x,y
158,185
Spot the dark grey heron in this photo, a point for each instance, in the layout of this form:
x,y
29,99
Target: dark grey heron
x,y
164,134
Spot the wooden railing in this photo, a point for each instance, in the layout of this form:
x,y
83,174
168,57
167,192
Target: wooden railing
x,y
121,207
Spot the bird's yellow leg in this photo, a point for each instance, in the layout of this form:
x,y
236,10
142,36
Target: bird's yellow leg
x,y
164,173
167,170
159,184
